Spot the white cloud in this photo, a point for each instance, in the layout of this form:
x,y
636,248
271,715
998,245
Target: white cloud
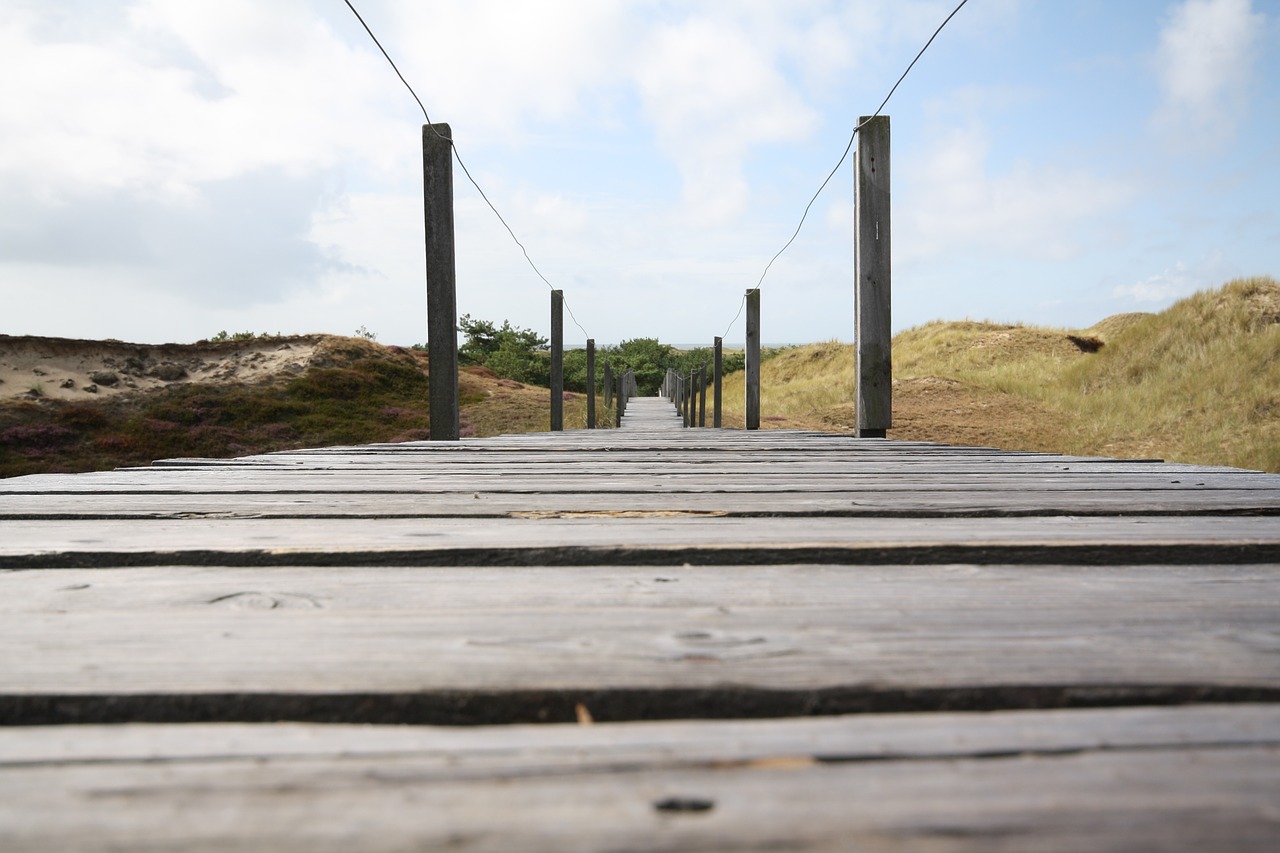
x,y
1205,61
712,95
953,201
1178,281
182,93
496,66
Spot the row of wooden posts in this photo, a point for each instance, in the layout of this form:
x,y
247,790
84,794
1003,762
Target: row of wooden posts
x,y
689,393
871,306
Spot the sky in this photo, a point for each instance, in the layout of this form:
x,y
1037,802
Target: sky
x,y
170,169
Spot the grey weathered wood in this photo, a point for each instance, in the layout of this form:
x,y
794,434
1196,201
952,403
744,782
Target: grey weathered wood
x,y
504,749
646,419
620,399
872,271
608,389
718,374
809,636
557,360
1170,779
866,501
702,396
695,396
647,540
752,370
442,302
643,573
591,383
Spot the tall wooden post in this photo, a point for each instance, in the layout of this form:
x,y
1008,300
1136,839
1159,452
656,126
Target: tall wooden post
x,y
557,360
608,385
685,382
753,359
694,381
693,396
717,377
591,383
620,398
702,391
442,300
872,289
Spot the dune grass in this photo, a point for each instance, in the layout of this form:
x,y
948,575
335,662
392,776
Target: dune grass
x,y
800,388
1198,382
357,392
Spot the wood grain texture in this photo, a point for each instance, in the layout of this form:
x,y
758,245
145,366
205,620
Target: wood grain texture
x,y
803,632
862,503
751,365
873,275
441,270
1175,779
654,540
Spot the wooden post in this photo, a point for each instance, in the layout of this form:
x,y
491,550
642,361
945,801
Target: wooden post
x,y
872,290
702,402
608,385
717,377
694,415
619,399
684,400
753,359
688,400
557,360
591,383
691,408
442,298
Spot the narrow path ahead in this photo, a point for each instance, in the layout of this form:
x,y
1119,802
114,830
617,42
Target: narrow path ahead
x,y
651,414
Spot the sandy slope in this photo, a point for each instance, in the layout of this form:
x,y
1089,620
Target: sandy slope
x,y
66,369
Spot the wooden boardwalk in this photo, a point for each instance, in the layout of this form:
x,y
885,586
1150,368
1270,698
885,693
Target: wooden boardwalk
x,y
649,638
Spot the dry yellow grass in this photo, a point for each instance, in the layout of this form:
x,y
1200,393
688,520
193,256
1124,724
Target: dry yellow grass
x,y
1199,382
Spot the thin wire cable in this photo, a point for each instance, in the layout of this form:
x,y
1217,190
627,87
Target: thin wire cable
x,y
573,318
393,65
454,148
741,306
847,149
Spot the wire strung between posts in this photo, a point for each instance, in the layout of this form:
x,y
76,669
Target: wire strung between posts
x,y
741,305
565,302
454,148
845,154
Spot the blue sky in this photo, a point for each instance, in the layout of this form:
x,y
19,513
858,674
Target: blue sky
x,y
173,168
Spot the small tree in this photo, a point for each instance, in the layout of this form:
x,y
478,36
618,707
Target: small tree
x,y
647,359
509,351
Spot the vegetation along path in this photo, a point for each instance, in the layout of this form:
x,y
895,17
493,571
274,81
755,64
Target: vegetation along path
x,y
651,638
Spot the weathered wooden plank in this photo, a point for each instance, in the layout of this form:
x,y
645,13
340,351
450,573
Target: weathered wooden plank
x,y
504,749
1006,782
741,641
862,592
800,462
649,456
1193,800
866,502
619,482
608,463
644,540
